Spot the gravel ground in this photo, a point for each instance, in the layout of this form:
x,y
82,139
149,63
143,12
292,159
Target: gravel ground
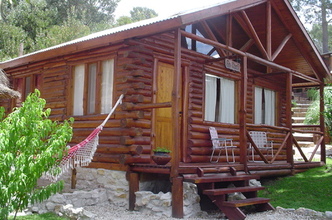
x,y
120,213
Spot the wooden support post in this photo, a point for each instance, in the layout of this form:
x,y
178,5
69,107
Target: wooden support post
x,y
73,178
177,182
177,197
289,148
133,187
322,122
243,115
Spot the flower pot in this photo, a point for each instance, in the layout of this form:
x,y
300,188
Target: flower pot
x,y
161,158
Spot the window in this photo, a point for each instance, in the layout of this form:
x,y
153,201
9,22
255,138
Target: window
x,y
265,103
219,99
26,85
93,92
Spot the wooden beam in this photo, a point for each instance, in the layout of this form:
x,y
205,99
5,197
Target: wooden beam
x,y
281,146
254,35
247,45
133,187
250,56
281,46
212,36
243,114
177,197
289,147
268,30
322,121
229,30
300,149
321,139
256,148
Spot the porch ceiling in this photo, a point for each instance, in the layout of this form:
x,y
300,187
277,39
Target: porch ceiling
x,y
270,32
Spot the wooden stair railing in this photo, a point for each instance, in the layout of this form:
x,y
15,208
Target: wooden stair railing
x,y
208,183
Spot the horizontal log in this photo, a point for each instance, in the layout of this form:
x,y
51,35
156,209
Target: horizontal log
x,y
206,159
128,159
130,106
136,86
108,166
134,73
119,149
133,79
133,132
132,91
130,66
126,140
135,60
140,123
93,124
127,114
98,157
102,139
208,150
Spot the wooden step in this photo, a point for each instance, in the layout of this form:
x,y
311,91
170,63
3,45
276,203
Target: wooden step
x,y
223,191
220,178
246,202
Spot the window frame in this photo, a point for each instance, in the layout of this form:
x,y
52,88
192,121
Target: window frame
x,y
263,108
98,86
21,85
218,110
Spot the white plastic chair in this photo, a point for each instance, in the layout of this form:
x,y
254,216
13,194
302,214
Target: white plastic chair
x,y
261,142
219,144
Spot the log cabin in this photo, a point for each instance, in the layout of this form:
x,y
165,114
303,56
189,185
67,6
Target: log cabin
x,y
232,66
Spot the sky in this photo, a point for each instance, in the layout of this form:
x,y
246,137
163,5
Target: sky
x,y
162,7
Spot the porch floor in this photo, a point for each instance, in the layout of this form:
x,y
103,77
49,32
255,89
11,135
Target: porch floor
x,y
281,168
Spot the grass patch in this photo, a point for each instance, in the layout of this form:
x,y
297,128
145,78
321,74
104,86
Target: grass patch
x,y
48,216
310,189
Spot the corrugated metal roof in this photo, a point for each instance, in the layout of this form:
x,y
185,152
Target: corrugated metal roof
x,y
122,28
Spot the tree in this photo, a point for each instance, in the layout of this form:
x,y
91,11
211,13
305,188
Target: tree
x,y
30,145
313,113
316,12
137,14
90,12
141,13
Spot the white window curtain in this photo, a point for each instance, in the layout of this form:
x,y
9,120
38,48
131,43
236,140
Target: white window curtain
x,y
258,105
92,88
227,100
210,97
265,114
223,96
269,107
107,86
78,90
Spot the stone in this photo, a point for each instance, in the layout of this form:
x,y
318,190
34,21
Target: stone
x,y
328,214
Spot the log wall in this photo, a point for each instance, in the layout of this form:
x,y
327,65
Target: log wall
x,y
126,137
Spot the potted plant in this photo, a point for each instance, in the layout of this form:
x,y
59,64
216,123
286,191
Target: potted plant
x,y
161,155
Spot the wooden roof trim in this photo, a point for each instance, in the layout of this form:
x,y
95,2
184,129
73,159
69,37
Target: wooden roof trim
x,y
212,36
254,34
249,56
281,46
300,30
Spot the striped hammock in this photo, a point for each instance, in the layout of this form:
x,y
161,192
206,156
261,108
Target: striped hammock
x,y
81,154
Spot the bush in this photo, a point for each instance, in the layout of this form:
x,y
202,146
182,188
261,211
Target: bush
x,y
312,116
30,145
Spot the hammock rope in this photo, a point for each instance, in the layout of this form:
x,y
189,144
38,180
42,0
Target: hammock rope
x,y
81,154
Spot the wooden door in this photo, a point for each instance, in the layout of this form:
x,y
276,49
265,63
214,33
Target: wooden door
x,y
163,132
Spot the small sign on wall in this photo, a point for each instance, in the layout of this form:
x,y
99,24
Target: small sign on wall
x,y
233,65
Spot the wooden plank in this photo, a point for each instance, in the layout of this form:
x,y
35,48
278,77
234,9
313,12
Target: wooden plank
x,y
246,202
220,178
223,191
177,197
133,187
